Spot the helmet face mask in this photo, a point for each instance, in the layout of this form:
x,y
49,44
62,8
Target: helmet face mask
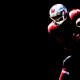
x,y
59,14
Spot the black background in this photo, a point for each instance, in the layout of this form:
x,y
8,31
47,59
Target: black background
x,y
27,41
27,52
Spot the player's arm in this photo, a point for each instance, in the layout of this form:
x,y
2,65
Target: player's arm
x,y
78,19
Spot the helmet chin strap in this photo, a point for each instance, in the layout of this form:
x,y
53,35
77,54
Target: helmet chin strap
x,y
59,23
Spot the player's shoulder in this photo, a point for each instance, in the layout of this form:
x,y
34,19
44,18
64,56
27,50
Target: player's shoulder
x,y
73,13
51,26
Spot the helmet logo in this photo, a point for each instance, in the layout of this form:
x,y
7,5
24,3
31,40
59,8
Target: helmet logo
x,y
52,11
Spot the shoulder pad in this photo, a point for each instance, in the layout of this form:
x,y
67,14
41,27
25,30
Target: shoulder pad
x,y
51,27
74,13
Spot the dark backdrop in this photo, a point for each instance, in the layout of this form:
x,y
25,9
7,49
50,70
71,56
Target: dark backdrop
x,y
28,48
